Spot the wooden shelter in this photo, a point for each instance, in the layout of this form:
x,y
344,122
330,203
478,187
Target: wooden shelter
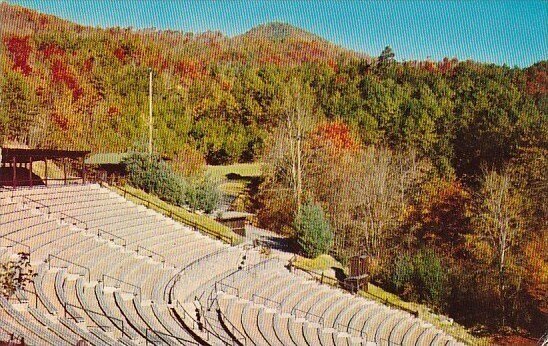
x,y
16,166
359,273
235,220
107,167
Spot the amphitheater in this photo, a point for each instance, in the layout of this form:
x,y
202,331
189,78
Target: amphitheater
x,y
110,272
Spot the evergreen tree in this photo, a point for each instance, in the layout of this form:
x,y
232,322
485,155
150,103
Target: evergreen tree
x,y
387,55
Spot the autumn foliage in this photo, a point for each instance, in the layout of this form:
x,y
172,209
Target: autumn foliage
x,y
19,49
61,74
334,135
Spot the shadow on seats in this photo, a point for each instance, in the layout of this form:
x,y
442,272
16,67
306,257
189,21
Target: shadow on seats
x,y
22,175
279,243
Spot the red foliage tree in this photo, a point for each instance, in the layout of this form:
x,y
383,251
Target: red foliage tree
x,y
113,111
51,49
19,49
61,74
335,135
441,215
61,121
537,80
88,64
120,54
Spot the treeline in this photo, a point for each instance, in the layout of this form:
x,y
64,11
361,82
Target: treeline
x,y
71,86
461,229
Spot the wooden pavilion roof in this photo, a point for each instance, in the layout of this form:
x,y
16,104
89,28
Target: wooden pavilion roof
x,y
27,155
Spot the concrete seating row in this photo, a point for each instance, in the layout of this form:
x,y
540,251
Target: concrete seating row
x,y
72,298
114,273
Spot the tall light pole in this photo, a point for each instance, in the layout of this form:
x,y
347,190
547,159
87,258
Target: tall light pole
x,y
150,112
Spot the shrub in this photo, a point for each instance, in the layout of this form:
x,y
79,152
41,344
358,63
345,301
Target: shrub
x,y
431,278
421,277
154,176
313,230
174,190
15,274
203,193
403,272
145,173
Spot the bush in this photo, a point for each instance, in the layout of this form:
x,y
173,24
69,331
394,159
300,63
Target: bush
x,y
145,173
313,230
174,190
155,176
203,193
403,272
431,278
421,277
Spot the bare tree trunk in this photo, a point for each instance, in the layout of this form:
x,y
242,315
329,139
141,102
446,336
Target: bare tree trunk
x,y
499,222
299,165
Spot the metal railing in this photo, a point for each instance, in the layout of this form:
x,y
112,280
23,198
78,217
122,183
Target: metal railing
x,y
236,334
51,257
41,205
118,282
220,286
264,301
15,244
113,237
119,323
75,220
329,280
195,324
262,264
174,215
100,232
197,261
151,253
36,296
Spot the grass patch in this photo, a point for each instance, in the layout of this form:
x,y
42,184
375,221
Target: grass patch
x,y
202,220
233,188
55,172
236,177
320,263
242,169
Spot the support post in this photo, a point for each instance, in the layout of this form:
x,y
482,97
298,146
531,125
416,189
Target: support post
x,y
83,169
65,170
30,171
46,170
14,177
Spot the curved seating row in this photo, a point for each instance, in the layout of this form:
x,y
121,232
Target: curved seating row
x,y
89,248
114,273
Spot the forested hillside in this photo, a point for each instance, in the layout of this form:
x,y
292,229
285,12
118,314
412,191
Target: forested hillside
x,y
444,162
71,86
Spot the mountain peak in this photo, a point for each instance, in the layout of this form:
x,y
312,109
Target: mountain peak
x,y
278,31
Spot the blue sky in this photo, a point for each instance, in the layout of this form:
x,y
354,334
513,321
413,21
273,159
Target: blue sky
x,y
503,32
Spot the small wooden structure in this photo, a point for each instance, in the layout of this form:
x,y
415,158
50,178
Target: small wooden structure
x,y
16,165
107,167
359,273
235,220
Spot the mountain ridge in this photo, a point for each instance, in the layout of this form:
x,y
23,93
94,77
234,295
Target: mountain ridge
x,y
21,21
277,30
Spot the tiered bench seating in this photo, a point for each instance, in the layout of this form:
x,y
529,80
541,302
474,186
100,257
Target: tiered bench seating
x,y
114,273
